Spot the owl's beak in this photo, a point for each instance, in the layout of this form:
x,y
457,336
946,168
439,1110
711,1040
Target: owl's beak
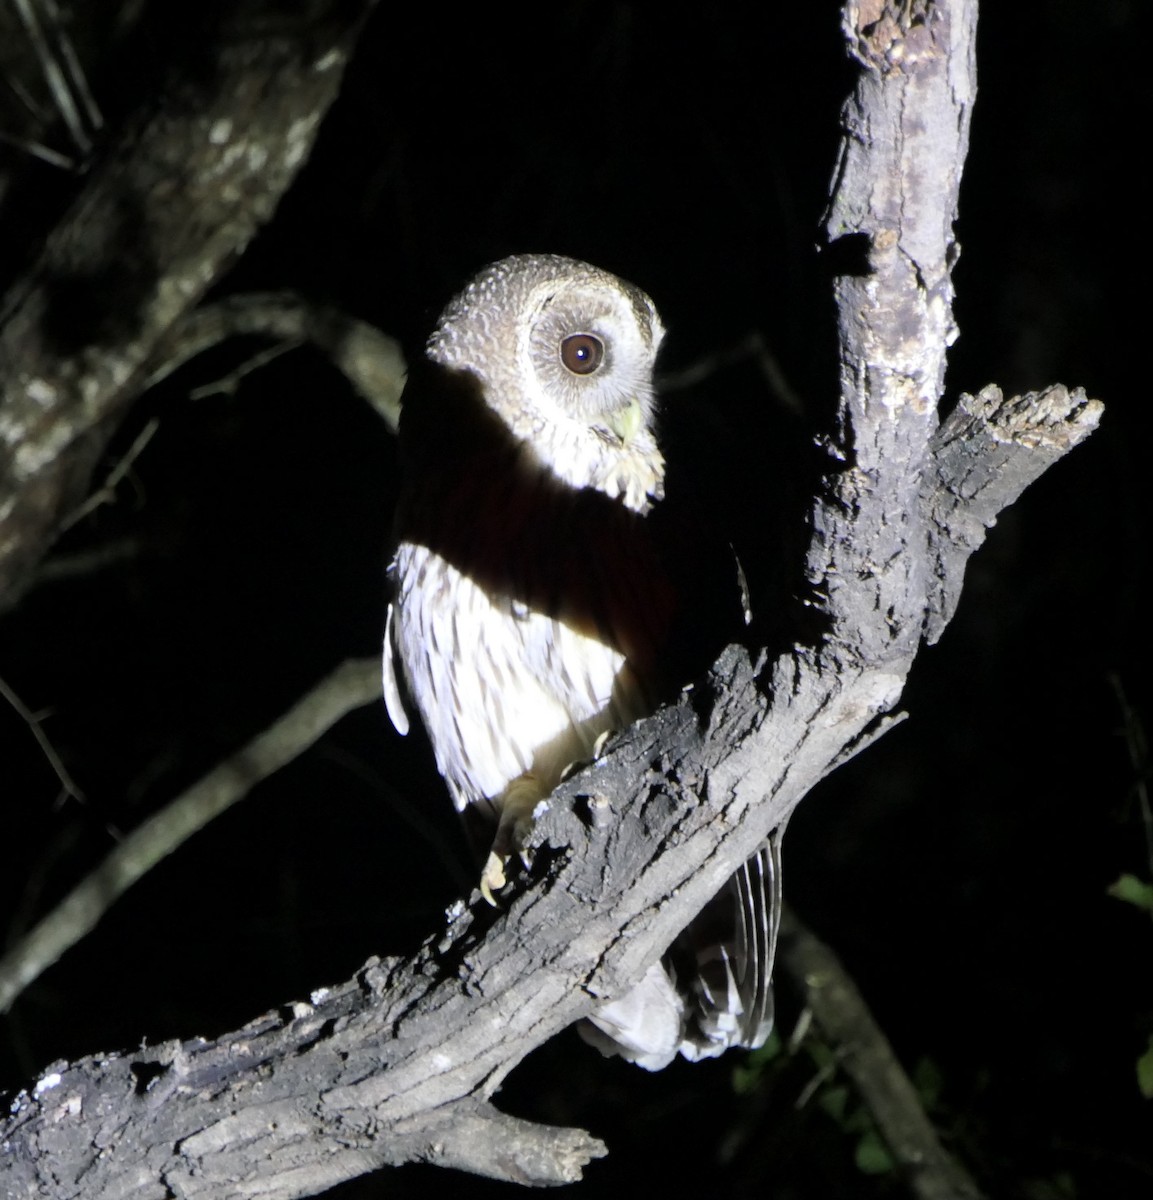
x,y
626,421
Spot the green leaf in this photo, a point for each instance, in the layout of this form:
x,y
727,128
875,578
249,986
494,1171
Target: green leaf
x,y
747,1075
872,1155
834,1101
1145,1071
1133,891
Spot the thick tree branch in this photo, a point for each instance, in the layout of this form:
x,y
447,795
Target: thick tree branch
x,y
400,1062
173,200
985,454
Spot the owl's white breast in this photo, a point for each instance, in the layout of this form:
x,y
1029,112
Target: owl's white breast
x,y
501,689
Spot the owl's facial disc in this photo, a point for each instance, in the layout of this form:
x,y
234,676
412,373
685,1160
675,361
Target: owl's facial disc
x,y
590,351
564,354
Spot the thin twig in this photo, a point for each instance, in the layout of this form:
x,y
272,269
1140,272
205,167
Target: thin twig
x,y
228,385
107,493
32,106
752,346
38,150
54,75
371,361
74,71
33,723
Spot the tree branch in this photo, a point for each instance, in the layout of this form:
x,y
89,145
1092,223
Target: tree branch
x,y
372,362
985,454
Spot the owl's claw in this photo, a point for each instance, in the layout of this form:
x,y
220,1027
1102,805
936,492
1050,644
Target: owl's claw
x,y
516,820
492,878
598,750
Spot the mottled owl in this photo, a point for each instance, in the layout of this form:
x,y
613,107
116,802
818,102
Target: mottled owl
x,y
534,608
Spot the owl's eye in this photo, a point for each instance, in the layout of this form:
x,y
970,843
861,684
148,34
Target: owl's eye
x,y
582,353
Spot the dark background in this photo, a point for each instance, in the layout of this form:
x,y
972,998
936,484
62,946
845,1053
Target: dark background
x,y
960,867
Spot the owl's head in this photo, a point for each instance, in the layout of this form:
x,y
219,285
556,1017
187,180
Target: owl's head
x,y
564,353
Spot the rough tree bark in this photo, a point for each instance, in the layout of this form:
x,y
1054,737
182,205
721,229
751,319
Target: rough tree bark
x,y
399,1063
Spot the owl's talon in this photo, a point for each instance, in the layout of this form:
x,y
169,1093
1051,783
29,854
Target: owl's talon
x,y
571,769
518,805
492,878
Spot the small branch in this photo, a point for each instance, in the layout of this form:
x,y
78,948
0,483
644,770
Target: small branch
x,y
480,1139
355,683
371,361
840,1013
74,72
54,759
37,150
107,493
62,74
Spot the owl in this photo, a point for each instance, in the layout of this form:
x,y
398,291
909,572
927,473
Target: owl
x,y
534,607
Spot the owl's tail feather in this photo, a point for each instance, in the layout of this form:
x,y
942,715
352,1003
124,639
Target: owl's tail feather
x,y
644,1026
732,990
722,995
